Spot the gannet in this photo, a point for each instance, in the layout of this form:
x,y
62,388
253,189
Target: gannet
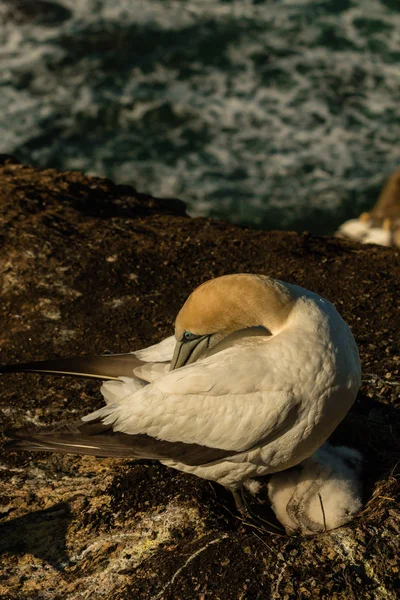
x,y
370,230
382,235
355,229
257,376
382,224
321,493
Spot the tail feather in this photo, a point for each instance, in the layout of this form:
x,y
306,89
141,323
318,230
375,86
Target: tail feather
x,y
100,445
75,437
98,439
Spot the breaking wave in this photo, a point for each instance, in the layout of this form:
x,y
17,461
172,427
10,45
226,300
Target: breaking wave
x,y
279,113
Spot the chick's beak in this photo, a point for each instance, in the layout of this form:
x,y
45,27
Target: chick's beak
x,y
187,352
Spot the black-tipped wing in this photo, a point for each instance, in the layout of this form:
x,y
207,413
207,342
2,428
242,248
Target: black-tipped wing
x,y
113,366
96,439
109,366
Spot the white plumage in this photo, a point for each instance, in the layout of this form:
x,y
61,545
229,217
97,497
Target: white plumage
x,y
321,493
367,231
378,235
271,400
257,377
354,229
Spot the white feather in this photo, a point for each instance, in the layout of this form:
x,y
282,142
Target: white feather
x,y
321,493
115,391
365,232
161,352
271,400
378,235
354,229
151,371
253,486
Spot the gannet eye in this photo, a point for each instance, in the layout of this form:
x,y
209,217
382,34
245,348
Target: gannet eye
x,y
187,336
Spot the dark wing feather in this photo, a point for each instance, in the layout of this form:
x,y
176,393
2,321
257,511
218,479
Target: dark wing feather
x,y
96,439
109,366
113,366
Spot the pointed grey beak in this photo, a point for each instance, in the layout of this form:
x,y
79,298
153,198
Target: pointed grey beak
x,y
188,352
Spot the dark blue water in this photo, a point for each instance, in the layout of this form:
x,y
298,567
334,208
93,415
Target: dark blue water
x,y
283,114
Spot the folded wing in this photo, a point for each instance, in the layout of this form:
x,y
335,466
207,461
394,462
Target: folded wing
x,y
205,412
107,366
212,402
97,439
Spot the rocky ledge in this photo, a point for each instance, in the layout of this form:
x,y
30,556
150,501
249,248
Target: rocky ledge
x,y
88,266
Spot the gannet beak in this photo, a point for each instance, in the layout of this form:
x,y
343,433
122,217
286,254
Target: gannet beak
x,y
187,352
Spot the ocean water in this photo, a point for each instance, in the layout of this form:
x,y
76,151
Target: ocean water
x,y
279,113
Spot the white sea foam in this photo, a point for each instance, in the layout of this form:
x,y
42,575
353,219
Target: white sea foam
x,y
285,114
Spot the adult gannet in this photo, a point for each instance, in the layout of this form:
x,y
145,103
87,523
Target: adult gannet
x,y
258,375
368,230
321,493
355,229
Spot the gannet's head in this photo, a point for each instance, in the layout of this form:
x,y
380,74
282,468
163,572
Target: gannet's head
x,y
219,307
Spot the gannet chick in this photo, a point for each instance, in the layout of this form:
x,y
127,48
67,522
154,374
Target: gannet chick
x,y
258,375
321,493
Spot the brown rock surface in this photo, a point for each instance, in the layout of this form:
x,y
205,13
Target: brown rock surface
x,y
88,266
